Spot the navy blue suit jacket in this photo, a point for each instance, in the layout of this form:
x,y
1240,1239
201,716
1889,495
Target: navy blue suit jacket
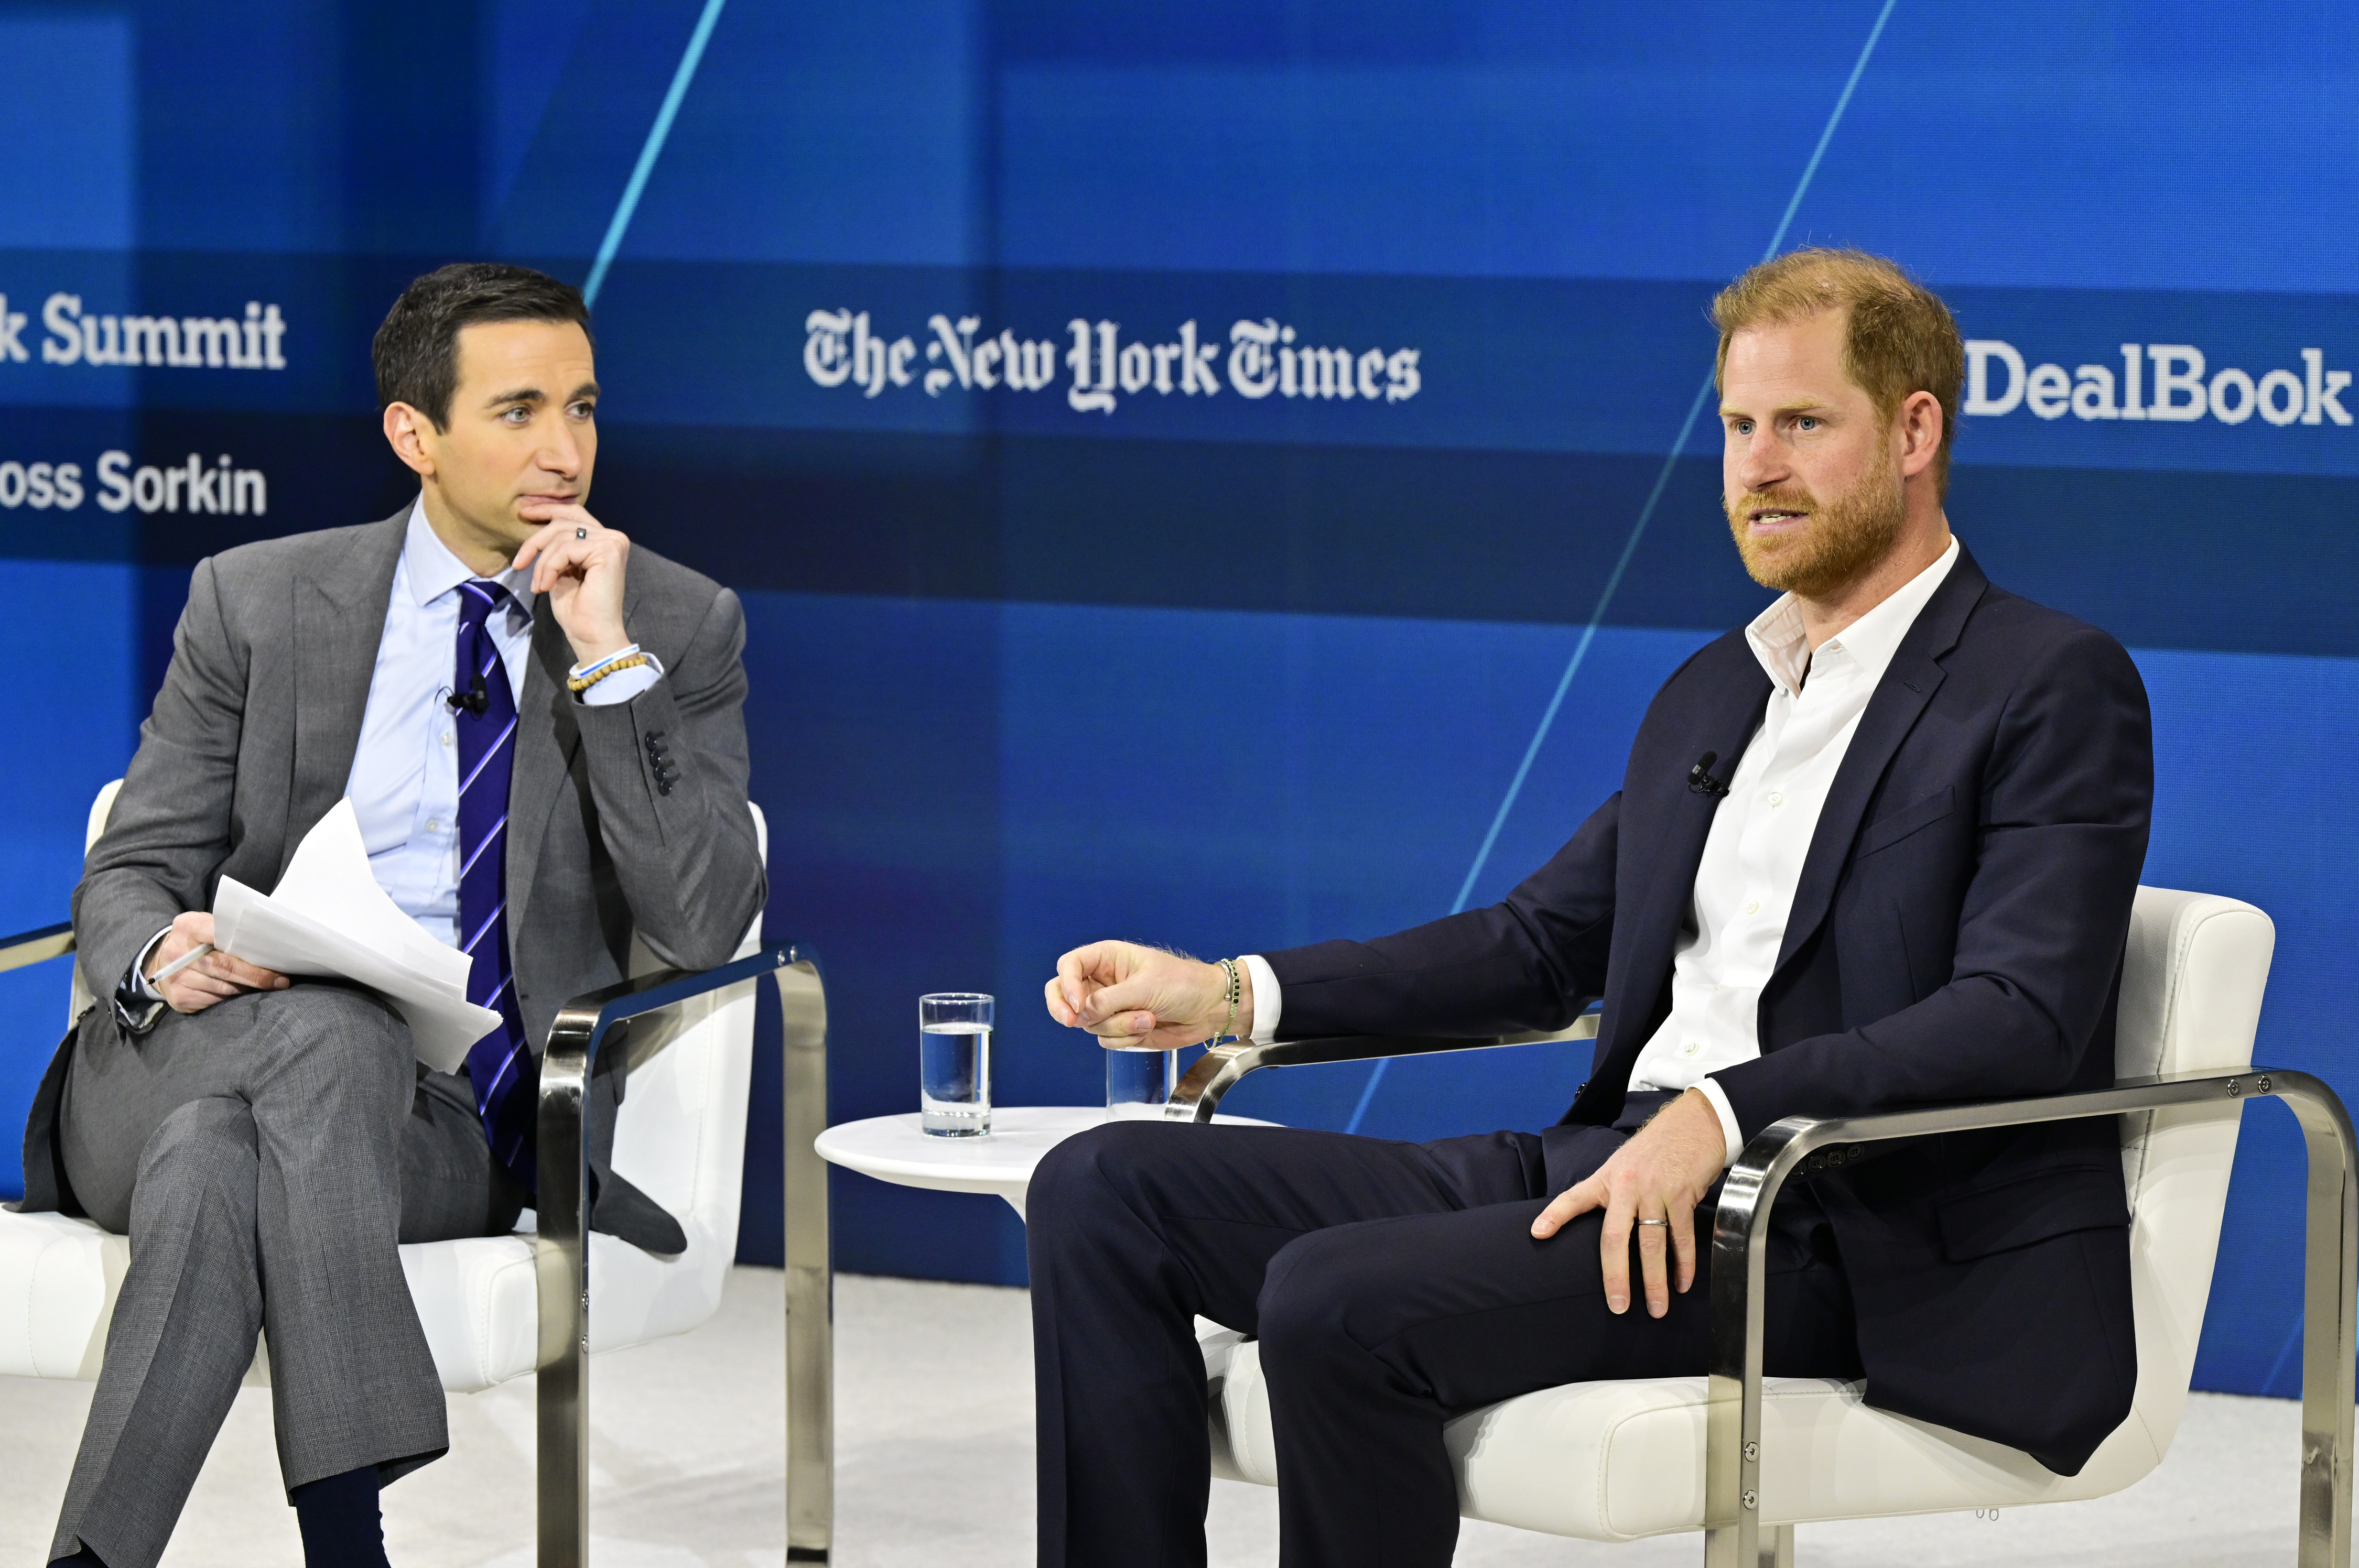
x,y
1957,934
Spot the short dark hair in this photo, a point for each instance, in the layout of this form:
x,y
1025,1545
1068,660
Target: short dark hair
x,y
415,351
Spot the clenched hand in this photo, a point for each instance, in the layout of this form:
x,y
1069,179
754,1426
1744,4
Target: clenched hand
x,y
1145,998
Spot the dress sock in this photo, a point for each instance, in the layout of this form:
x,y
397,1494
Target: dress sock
x,y
338,1515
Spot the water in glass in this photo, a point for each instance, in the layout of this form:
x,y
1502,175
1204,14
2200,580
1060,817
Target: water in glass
x,y
954,1065
1140,1083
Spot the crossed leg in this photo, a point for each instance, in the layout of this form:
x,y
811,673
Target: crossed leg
x,y
257,1153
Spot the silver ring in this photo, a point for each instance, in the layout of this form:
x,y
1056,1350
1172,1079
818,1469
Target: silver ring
x,y
582,533
1654,1222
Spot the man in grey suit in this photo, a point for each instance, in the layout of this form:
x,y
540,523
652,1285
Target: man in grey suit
x,y
542,733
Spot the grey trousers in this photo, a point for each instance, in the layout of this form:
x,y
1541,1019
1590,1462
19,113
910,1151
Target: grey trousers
x,y
267,1157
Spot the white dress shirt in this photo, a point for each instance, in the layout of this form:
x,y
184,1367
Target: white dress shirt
x,y
405,780
1760,835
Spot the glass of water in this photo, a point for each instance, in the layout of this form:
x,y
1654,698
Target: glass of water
x,y
954,1064
1140,1083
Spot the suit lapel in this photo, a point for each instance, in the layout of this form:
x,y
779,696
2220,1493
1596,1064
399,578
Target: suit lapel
x,y
339,620
547,738
1676,823
1900,697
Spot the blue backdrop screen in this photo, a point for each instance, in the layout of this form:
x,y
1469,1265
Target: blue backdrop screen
x,y
1225,474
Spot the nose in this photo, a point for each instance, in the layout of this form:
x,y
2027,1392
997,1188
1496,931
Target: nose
x,y
561,451
1758,461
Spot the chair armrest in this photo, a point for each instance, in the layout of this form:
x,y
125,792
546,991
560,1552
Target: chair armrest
x,y
34,946
1739,1268
574,1038
1216,1072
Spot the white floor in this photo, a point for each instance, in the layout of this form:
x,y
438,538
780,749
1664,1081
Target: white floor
x,y
934,1466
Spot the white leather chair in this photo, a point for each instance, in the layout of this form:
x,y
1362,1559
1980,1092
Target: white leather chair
x,y
498,1307
1620,1461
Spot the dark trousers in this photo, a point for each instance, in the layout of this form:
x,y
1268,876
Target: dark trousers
x,y
265,1157
1392,1286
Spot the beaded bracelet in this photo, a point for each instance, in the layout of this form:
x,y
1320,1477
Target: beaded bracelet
x,y
1229,1030
581,683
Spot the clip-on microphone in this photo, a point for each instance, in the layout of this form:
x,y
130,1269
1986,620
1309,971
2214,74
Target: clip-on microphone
x,y
476,701
1700,779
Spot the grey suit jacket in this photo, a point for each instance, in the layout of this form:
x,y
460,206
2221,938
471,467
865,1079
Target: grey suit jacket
x,y
252,738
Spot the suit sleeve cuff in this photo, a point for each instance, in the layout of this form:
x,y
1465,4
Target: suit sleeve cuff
x,y
1727,1114
1268,1004
137,979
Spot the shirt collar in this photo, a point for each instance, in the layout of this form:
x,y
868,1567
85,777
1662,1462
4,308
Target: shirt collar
x,y
434,571
1870,641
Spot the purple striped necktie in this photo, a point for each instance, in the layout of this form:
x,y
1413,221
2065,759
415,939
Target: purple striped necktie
x,y
505,1075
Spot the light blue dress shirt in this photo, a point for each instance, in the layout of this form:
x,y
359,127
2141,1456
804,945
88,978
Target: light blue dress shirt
x,y
405,780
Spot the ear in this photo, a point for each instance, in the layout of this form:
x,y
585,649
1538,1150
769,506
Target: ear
x,y
1919,427
411,436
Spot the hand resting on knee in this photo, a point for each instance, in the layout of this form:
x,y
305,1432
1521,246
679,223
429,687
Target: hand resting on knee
x,y
1659,1175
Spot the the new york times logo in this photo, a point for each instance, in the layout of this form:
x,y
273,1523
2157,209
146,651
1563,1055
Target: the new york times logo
x,y
1263,357
71,336
2163,382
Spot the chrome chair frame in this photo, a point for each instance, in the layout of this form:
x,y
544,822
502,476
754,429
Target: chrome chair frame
x,y
562,1258
1733,1535
560,1254
1216,1072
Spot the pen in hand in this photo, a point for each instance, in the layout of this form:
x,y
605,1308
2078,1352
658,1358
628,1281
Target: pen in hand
x,y
157,979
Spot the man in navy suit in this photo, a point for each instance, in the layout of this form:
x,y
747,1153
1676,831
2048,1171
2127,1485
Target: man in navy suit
x,y
1876,850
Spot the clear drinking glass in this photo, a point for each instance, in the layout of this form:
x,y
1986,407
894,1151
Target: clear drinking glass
x,y
954,1064
1140,1083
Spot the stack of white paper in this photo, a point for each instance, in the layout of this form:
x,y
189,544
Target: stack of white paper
x,y
330,918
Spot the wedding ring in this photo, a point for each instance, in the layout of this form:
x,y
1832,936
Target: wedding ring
x,y
1654,1222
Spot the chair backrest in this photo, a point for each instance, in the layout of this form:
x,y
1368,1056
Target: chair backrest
x,y
79,999
2191,984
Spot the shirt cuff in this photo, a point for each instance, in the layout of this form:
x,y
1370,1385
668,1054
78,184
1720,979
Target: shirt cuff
x,y
1268,1003
139,986
623,685
1728,1113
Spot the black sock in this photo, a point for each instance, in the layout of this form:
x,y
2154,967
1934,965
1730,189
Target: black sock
x,y
338,1515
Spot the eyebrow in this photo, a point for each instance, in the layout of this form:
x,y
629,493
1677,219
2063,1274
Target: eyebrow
x,y
533,395
1807,405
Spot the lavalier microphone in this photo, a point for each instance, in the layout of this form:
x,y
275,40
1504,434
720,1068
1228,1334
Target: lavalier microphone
x,y
476,701
1700,779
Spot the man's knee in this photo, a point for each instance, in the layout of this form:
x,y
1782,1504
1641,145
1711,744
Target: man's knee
x,y
203,1152
1100,1182
1315,1289
338,1034
1095,1164
1071,1177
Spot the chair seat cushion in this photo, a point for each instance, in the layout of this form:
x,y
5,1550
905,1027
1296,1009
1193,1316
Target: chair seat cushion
x,y
58,1280
1615,1461
475,1298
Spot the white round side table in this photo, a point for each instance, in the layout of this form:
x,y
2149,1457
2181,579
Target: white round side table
x,y
891,1149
